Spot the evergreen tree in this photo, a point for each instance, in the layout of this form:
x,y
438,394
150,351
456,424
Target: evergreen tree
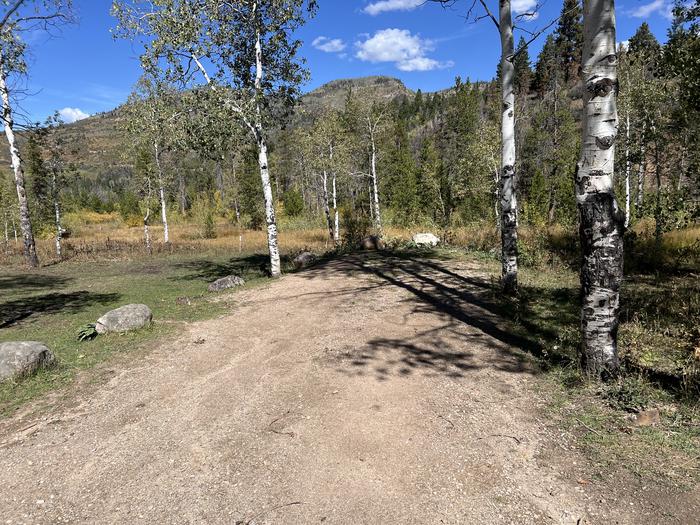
x,y
682,52
569,40
430,184
644,42
39,181
682,63
400,184
523,72
546,70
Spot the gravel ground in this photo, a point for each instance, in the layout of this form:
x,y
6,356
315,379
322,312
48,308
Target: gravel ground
x,y
364,390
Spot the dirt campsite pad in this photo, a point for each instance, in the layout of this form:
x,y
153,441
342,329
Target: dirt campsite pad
x,y
367,389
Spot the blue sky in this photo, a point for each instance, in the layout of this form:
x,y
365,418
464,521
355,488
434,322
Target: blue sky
x,y
84,71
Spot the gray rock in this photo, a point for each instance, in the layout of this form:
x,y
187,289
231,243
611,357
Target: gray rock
x,y
426,239
22,358
373,242
225,283
124,319
304,260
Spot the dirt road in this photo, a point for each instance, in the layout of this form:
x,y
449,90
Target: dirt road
x,y
365,390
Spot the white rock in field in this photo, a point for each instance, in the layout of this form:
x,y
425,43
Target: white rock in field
x,y
124,319
230,281
20,358
425,239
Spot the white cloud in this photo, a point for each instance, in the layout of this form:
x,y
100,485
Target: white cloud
x,y
385,6
329,45
662,7
423,64
525,6
625,44
392,45
70,115
407,51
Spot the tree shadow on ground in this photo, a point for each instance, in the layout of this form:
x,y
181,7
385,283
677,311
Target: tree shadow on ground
x,y
25,282
16,311
249,267
472,310
542,321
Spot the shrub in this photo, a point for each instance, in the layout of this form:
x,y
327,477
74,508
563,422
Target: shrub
x,y
356,226
203,212
293,203
209,228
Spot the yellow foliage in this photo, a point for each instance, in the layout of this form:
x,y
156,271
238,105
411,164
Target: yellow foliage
x,y
84,217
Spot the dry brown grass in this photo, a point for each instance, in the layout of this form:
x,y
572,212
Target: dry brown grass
x,y
106,237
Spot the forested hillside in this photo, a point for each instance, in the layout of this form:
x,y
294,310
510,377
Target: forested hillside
x,y
437,153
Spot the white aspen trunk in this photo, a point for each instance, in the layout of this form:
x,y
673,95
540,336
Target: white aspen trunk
x,y
146,231
273,247
237,209
25,222
326,204
371,199
14,229
275,265
601,221
161,194
642,168
336,234
336,219
7,237
57,214
220,180
182,190
509,204
658,219
628,168
496,192
684,151
555,143
375,184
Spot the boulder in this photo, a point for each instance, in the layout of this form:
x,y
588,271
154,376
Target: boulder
x,y
124,319
22,358
426,239
304,260
373,242
230,281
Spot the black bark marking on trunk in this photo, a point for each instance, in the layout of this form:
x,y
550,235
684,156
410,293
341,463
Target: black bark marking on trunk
x,y
605,142
601,88
601,231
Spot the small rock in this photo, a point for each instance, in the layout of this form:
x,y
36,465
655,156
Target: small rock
x,y
183,301
648,418
124,319
304,260
22,358
426,239
373,242
230,281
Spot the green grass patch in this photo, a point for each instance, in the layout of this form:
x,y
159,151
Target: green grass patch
x,y
658,344
52,304
601,418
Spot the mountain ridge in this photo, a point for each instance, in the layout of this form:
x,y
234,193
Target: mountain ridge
x,y
97,144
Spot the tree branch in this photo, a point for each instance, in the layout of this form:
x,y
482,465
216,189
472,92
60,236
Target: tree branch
x,y
11,11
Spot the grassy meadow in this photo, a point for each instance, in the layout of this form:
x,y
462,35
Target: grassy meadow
x,y
105,265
